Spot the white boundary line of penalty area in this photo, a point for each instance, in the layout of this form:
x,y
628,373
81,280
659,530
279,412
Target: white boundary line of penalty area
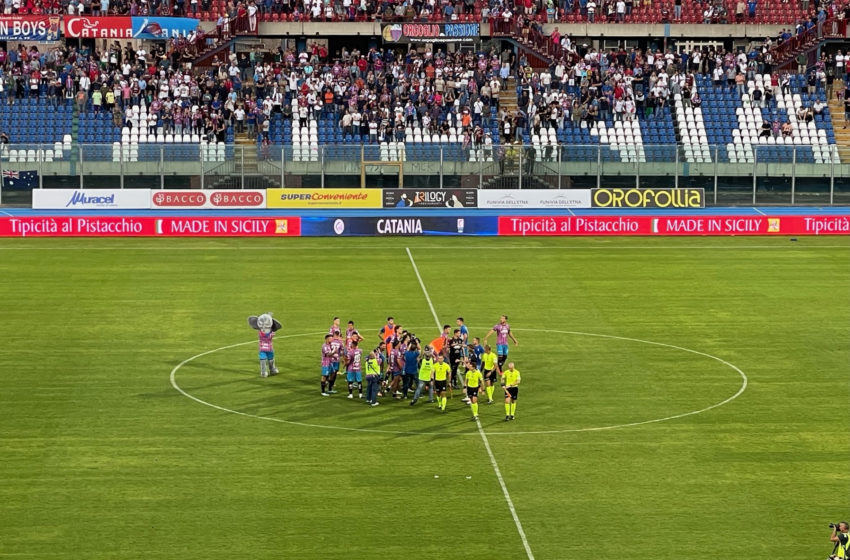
x,y
430,247
480,428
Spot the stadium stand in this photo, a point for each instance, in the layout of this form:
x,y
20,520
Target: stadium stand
x,y
581,105
562,11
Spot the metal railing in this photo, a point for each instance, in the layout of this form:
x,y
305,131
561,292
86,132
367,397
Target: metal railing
x,y
732,174
784,53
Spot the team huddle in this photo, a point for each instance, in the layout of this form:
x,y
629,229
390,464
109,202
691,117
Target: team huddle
x,y
401,364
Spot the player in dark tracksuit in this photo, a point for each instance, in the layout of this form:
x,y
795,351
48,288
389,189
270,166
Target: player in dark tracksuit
x,y
456,355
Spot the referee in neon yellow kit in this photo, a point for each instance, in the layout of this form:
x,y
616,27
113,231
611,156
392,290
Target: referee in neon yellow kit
x,y
511,379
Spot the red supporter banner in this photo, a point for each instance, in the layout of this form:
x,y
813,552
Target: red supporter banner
x,y
90,27
187,226
673,225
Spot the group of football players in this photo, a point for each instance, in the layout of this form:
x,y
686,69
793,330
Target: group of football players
x,y
401,364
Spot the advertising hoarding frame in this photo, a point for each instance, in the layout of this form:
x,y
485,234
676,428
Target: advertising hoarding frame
x,y
91,199
416,225
687,225
149,226
219,199
460,199
508,199
399,33
643,198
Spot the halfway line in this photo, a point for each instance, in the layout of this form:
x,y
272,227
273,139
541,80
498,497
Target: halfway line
x,y
505,491
478,422
422,284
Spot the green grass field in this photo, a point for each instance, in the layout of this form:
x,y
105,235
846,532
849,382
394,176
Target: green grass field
x,y
102,458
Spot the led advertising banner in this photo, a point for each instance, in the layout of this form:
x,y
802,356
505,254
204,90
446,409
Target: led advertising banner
x,y
116,226
419,225
671,225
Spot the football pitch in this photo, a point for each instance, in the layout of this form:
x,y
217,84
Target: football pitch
x,y
680,398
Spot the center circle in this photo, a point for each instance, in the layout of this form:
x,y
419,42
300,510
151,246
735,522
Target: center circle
x,y
341,384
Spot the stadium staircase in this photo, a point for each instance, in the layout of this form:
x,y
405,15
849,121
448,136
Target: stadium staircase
x,y
508,98
217,52
538,48
223,39
842,135
537,59
244,164
785,55
510,179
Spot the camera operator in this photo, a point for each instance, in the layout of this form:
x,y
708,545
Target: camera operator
x,y
841,538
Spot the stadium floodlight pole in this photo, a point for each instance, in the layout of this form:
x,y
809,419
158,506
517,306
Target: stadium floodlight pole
x,y
676,169
441,166
480,172
559,167
793,174
755,171
40,153
637,171
599,166
716,166
521,152
833,153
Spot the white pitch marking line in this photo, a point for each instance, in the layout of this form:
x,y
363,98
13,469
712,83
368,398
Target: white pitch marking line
x,y
744,379
480,428
505,492
759,211
422,285
430,247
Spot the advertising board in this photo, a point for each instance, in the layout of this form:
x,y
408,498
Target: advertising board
x,y
29,28
470,225
430,32
115,226
323,198
218,199
417,225
648,198
685,225
512,198
91,199
128,27
430,198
